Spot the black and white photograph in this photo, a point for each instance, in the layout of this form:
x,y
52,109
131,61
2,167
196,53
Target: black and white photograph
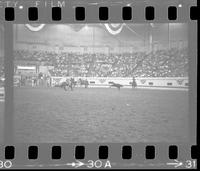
x,y
100,82
2,81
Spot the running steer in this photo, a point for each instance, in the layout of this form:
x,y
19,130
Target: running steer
x,y
116,85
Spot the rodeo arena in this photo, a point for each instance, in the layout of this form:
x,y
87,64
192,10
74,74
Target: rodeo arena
x,y
100,82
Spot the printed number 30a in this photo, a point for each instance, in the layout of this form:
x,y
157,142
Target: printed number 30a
x,y
5,164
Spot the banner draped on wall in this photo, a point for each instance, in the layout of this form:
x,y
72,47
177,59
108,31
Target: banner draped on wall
x,y
112,28
77,27
35,27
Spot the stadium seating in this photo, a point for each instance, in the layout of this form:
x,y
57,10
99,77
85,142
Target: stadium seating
x,y
160,63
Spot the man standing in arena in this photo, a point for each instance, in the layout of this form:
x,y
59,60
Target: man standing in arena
x,y
35,81
86,83
72,82
134,84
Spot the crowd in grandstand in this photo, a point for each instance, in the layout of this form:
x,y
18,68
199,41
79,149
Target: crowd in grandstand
x,y
160,63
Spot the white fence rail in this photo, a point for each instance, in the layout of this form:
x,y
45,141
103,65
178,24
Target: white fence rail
x,y
161,82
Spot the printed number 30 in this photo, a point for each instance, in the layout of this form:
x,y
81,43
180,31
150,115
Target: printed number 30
x,y
7,164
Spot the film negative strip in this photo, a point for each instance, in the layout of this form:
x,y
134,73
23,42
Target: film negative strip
x,y
98,84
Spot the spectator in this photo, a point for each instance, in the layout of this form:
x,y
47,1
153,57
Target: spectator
x,y
161,63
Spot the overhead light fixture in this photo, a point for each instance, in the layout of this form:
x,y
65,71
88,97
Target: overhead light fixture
x,y
179,5
86,27
21,7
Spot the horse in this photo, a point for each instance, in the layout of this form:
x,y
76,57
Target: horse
x,y
72,83
83,82
69,83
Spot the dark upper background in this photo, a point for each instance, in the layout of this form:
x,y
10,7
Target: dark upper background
x,y
98,35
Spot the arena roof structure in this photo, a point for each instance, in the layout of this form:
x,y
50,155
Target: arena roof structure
x,y
103,34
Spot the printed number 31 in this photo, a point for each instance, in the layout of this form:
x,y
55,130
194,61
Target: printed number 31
x,y
190,164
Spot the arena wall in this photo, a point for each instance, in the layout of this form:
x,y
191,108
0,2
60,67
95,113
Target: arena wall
x,y
159,82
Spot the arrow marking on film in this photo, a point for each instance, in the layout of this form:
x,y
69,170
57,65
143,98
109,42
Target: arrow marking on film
x,y
76,165
176,164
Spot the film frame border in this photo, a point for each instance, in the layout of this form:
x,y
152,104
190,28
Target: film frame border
x,y
184,149
141,11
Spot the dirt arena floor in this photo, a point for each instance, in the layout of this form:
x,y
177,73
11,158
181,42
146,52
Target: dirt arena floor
x,y
51,115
